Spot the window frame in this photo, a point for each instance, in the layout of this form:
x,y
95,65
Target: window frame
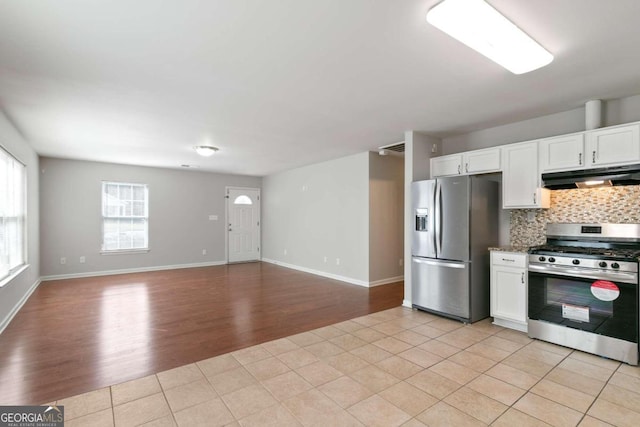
x,y
14,271
105,217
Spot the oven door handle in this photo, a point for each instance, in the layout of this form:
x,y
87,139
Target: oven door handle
x,y
615,276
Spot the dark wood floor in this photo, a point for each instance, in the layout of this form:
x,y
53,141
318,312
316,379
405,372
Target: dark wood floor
x,y
73,336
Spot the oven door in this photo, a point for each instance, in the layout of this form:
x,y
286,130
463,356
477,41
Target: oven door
x,y
595,304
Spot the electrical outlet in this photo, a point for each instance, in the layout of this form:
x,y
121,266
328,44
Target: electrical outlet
x,y
434,148
82,259
285,251
63,260
337,261
400,262
325,259
531,216
213,217
204,252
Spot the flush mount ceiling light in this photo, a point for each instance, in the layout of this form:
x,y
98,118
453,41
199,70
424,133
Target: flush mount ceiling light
x,y
482,28
205,150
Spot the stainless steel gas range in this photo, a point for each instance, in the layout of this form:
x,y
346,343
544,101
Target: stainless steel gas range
x,y
583,289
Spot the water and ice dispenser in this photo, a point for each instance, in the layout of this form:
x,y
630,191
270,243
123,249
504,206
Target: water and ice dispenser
x,y
422,219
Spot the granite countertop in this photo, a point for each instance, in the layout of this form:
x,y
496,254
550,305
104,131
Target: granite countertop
x,y
521,249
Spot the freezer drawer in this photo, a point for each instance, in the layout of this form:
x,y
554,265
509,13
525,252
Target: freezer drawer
x,y
441,286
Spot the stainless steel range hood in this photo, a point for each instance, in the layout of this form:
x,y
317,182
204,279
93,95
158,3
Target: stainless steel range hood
x,y
589,178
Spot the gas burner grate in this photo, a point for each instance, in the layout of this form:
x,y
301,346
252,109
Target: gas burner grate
x,y
595,252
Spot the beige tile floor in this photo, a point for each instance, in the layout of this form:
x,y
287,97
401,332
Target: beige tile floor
x,y
393,368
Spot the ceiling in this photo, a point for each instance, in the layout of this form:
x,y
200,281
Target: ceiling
x,y
284,83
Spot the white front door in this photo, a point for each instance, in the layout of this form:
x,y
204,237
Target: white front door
x,y
243,226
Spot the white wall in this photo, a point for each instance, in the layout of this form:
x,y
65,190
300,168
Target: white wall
x,y
319,211
617,111
623,110
15,293
386,217
180,203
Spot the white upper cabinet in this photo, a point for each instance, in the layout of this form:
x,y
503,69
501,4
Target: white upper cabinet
x,y
521,184
613,146
446,165
481,161
468,163
562,153
522,164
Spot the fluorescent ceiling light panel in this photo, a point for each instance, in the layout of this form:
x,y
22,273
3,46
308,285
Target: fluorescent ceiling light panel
x,y
482,28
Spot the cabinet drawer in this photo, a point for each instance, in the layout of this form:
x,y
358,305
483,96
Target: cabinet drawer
x,y
509,259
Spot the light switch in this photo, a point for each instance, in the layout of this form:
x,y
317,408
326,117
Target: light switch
x,y
213,217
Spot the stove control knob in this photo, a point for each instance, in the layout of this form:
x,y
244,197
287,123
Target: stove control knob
x,y
541,259
552,259
575,262
615,265
602,264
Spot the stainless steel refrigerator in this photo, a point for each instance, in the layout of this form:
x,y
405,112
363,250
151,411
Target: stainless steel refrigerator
x,y
456,221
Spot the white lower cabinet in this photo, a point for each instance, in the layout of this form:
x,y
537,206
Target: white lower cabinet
x,y
509,289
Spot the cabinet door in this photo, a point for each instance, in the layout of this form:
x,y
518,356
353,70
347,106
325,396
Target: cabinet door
x,y
446,165
562,153
619,145
482,161
509,293
521,179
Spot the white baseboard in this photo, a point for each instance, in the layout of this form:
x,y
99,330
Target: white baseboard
x,y
131,270
406,303
318,272
386,281
9,317
336,276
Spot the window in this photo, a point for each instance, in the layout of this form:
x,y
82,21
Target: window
x,y
125,217
242,200
12,214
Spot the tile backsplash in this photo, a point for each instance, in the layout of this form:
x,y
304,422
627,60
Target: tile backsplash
x,y
608,204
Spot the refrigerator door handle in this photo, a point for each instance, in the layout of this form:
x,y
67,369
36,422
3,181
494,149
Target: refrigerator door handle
x,y
434,219
440,263
438,219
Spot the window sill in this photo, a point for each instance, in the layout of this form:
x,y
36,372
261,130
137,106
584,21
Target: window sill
x,y
13,275
125,251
